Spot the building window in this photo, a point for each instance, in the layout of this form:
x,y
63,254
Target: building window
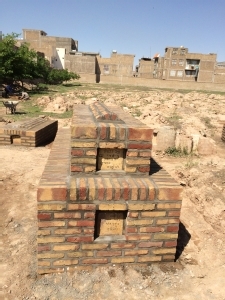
x,y
190,73
174,62
181,62
182,51
179,73
106,69
175,51
172,73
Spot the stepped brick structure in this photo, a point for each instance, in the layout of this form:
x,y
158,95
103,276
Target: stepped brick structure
x,y
223,133
31,132
102,199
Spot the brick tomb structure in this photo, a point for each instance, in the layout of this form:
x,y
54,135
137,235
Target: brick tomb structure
x,y
98,200
31,132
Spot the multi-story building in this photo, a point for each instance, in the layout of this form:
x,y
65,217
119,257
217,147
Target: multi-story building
x,y
181,65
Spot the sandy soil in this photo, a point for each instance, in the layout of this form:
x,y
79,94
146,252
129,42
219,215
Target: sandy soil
x,y
198,273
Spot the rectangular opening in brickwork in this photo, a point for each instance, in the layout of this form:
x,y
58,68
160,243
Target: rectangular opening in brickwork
x,y
110,159
109,223
15,139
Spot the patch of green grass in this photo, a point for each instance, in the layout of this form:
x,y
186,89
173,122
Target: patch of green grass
x,y
176,152
207,122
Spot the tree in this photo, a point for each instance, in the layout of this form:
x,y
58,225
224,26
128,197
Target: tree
x,y
21,63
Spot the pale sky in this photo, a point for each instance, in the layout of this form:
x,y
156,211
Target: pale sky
x,y
139,27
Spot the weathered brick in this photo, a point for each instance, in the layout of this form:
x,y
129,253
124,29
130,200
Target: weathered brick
x,y
139,222
140,134
67,215
170,193
133,153
109,253
44,216
175,213
52,194
65,247
66,262
121,260
165,236
164,251
43,263
50,239
81,206
90,169
108,189
114,206
168,258
145,153
131,230
149,258
76,169
140,146
50,255
82,223
167,221
83,160
50,271
144,169
150,244
122,245
81,254
77,152
136,237
44,248
44,232
168,205
130,169
152,214
136,252
84,132
68,231
91,152
141,206
132,214
137,161
80,239
88,231
151,229
75,144
112,145
95,261
51,224
89,215
172,228
94,246
50,207
170,244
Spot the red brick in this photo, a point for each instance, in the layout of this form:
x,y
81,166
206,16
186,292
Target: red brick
x,y
170,244
95,261
175,213
76,169
108,253
144,169
44,248
126,189
140,134
89,215
145,153
172,228
102,131
79,239
131,229
150,244
82,189
44,216
139,146
77,152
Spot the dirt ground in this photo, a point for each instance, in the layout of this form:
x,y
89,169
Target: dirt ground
x,y
199,271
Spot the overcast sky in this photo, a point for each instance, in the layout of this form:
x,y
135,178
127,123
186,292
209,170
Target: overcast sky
x,y
139,27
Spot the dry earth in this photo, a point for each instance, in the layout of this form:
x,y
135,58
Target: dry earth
x,y
198,273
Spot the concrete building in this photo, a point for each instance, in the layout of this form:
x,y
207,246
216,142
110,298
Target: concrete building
x,y
181,65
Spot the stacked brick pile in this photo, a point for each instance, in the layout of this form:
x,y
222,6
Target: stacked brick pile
x,y
223,134
89,215
32,132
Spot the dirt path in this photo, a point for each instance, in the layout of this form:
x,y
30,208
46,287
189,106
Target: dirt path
x,y
198,274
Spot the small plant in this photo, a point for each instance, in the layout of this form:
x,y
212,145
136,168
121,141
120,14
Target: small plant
x,y
207,122
176,152
190,163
